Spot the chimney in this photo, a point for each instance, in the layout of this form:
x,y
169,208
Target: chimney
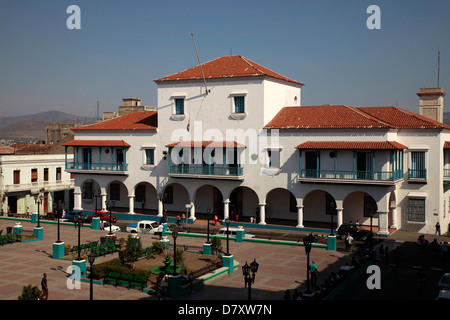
x,y
431,103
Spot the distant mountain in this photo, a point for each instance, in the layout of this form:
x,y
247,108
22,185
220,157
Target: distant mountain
x,y
33,126
47,117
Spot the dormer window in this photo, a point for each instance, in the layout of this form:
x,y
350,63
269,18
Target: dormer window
x,y
238,105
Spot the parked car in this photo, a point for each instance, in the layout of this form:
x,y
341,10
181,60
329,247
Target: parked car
x,y
443,295
107,227
71,215
444,283
104,216
144,226
232,232
355,230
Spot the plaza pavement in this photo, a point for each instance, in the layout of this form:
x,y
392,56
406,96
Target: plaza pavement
x,y
281,267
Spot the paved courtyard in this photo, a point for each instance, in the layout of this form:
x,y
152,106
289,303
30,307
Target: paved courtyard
x,y
281,267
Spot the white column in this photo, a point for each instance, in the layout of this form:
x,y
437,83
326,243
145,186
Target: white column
x,y
77,201
300,217
192,211
226,209
103,203
262,213
383,223
160,208
339,217
394,217
131,204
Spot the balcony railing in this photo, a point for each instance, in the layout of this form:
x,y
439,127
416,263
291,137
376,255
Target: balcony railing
x,y
417,174
206,170
351,175
97,166
35,186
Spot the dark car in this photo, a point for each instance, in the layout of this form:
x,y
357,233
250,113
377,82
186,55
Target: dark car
x,y
355,230
71,214
104,216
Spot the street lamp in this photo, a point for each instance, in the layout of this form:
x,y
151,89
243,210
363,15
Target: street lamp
x,y
307,242
174,236
78,222
39,200
58,215
332,213
227,221
91,258
111,205
208,211
250,279
96,195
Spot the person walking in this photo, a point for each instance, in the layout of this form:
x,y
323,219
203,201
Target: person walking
x,y
438,229
314,273
349,242
44,286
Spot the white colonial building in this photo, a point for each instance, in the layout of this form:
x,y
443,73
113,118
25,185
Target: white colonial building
x,y
31,178
232,137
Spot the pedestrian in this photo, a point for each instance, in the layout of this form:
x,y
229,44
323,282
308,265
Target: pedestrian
x,y
178,220
349,242
183,219
160,230
314,273
438,229
216,220
102,225
44,286
164,286
28,212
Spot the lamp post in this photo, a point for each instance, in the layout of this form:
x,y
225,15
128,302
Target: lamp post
x,y
39,200
111,205
208,211
96,195
227,221
58,215
250,279
332,213
174,236
91,258
78,222
307,242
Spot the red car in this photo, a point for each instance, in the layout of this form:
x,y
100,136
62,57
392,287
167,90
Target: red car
x,y
104,216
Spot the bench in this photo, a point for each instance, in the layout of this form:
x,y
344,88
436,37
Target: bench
x,y
126,280
10,238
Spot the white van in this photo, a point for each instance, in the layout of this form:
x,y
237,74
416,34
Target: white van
x,y
232,233
145,227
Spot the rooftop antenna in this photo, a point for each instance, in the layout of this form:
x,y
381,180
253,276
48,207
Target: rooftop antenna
x,y
207,91
439,62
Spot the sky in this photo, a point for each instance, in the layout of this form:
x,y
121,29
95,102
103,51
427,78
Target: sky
x,y
122,46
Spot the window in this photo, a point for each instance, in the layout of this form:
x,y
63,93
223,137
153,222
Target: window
x,y
16,176
58,174
330,205
149,156
87,190
370,206
114,190
140,193
45,174
179,106
239,106
34,175
273,158
418,169
416,210
168,195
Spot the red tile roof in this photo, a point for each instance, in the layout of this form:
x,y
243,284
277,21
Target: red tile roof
x,y
400,118
341,116
139,120
211,144
348,145
96,143
226,67
319,117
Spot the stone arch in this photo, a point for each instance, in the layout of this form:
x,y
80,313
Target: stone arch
x,y
208,196
244,202
145,197
319,206
358,206
281,204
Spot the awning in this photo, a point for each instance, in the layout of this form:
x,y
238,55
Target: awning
x,y
96,143
352,145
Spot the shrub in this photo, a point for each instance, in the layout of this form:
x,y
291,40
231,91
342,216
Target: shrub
x,y
133,249
30,293
159,247
216,244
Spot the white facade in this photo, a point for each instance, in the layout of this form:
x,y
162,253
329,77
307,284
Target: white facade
x,y
389,186
25,177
